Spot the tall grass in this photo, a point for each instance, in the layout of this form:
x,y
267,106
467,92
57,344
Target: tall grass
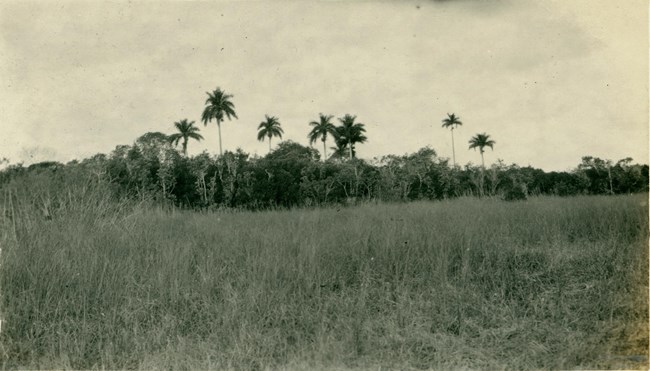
x,y
546,283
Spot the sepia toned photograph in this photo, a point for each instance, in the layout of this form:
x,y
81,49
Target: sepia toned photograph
x,y
324,185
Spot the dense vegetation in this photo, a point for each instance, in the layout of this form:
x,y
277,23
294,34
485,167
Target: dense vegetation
x,y
550,283
292,175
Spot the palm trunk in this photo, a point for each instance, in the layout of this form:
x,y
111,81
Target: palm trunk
x,y
453,148
219,126
350,145
269,144
185,148
324,151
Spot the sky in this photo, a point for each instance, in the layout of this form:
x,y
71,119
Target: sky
x,y
550,81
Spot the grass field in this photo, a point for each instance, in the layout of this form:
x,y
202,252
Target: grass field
x,y
549,283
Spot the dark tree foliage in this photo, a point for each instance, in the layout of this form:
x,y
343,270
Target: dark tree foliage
x,y
276,177
292,175
421,175
185,192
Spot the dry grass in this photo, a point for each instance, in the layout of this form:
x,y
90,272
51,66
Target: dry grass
x,y
550,283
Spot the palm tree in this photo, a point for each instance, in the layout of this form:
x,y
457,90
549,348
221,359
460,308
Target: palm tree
x,y
217,106
481,141
452,121
350,133
339,151
269,128
320,130
186,130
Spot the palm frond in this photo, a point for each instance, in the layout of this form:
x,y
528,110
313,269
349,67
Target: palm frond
x,y
218,104
195,136
349,132
451,121
481,141
186,130
174,138
269,128
321,128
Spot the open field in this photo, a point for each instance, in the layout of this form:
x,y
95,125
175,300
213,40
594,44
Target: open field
x,y
468,283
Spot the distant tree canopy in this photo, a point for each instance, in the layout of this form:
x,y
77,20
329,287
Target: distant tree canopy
x,y
293,175
151,169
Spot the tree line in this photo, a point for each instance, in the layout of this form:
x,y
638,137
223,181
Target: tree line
x,y
295,175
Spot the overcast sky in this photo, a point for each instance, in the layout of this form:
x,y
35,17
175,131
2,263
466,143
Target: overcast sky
x,y
549,81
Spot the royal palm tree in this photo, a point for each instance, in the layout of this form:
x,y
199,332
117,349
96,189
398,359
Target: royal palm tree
x,y
218,106
452,121
481,141
269,128
186,130
339,151
320,130
350,133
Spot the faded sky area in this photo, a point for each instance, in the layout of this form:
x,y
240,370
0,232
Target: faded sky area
x,y
550,81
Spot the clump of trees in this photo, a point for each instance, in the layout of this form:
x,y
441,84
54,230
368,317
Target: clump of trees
x,y
290,175
294,175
